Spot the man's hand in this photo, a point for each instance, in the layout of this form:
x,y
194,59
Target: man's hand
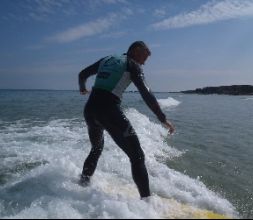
x,y
84,91
169,126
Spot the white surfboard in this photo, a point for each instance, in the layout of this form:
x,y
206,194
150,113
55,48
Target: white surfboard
x,y
167,207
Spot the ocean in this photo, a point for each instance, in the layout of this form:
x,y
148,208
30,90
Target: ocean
x,y
207,163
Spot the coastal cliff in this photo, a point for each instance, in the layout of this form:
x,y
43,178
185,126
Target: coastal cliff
x,y
223,90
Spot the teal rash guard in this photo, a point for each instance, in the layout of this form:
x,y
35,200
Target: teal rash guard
x,y
114,75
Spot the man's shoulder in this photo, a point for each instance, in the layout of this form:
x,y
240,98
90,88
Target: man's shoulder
x,y
133,66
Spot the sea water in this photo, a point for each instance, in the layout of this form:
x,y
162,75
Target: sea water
x,y
207,163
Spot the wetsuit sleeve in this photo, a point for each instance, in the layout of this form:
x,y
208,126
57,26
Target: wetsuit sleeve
x,y
87,72
137,77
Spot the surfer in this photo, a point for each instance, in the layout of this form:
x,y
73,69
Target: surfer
x,y
103,111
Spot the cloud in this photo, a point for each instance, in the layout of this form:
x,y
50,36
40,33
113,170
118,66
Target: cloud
x,y
211,12
85,30
46,10
161,12
41,10
91,28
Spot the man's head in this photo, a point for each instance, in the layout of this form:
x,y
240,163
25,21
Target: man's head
x,y
139,52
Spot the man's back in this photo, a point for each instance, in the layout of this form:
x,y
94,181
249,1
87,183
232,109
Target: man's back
x,y
113,75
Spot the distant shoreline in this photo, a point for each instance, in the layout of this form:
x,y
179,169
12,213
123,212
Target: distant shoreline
x,y
223,90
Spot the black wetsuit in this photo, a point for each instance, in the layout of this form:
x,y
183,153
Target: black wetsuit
x,y
103,111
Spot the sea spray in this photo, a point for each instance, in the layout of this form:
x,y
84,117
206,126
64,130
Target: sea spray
x,y
168,102
50,189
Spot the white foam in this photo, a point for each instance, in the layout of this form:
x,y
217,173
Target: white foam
x,y
51,190
169,102
30,213
248,98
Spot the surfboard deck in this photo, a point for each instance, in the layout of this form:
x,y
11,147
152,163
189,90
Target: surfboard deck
x,y
167,208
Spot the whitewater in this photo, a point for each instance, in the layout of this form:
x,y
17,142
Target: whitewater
x,y
41,162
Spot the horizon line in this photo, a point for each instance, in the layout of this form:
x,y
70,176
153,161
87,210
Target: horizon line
x,y
129,91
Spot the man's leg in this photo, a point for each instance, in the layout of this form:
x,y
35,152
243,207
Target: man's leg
x,y
125,137
131,146
96,136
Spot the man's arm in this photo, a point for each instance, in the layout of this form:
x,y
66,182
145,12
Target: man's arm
x,y
86,73
138,79
148,97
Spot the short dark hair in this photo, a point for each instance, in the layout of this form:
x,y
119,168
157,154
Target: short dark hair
x,y
136,44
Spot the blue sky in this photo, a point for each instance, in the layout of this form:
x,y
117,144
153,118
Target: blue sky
x,y
194,43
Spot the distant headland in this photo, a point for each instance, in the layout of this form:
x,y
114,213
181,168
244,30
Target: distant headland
x,y
223,90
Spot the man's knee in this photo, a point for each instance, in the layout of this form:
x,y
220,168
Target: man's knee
x,y
138,159
135,152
